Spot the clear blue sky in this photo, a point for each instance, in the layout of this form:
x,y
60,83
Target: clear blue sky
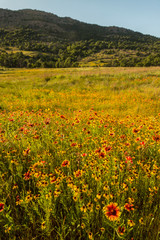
x,y
138,15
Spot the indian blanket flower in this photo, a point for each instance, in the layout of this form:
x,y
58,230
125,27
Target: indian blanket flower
x,y
73,144
26,152
101,154
65,163
1,207
107,149
121,230
135,130
129,207
62,116
112,211
156,137
128,159
78,173
27,175
84,154
47,121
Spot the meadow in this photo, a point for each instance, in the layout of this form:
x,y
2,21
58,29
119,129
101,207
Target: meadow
x,y
79,154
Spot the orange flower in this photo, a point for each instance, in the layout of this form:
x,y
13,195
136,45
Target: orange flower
x,y
84,154
98,150
142,143
135,130
65,163
26,151
156,137
112,212
47,121
36,137
121,230
1,207
129,207
107,149
27,175
78,173
102,155
73,144
128,160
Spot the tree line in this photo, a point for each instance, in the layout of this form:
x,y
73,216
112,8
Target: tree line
x,y
70,54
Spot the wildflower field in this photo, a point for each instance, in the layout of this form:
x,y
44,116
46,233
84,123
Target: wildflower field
x,y
80,154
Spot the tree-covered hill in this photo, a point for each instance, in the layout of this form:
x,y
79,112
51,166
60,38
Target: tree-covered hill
x,y
31,38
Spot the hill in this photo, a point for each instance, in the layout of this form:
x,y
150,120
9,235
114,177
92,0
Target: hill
x,y
32,38
51,27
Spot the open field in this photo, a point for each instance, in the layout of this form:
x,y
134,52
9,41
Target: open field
x,y
79,154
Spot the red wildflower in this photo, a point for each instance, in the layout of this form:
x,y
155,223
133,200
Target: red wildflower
x,y
129,159
65,163
123,136
47,121
36,137
111,134
78,173
102,155
127,144
107,149
112,212
137,139
73,144
1,207
129,207
27,175
31,125
98,150
53,179
84,154
26,152
135,130
121,230
43,162
156,137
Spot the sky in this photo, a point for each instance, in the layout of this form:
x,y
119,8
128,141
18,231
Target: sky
x,y
138,15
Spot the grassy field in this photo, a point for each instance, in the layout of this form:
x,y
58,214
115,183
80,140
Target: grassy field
x,y
79,154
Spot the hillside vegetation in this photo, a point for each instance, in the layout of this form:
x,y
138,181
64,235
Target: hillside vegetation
x,y
31,38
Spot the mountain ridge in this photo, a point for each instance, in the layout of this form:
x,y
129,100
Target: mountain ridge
x,y
36,19
34,38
